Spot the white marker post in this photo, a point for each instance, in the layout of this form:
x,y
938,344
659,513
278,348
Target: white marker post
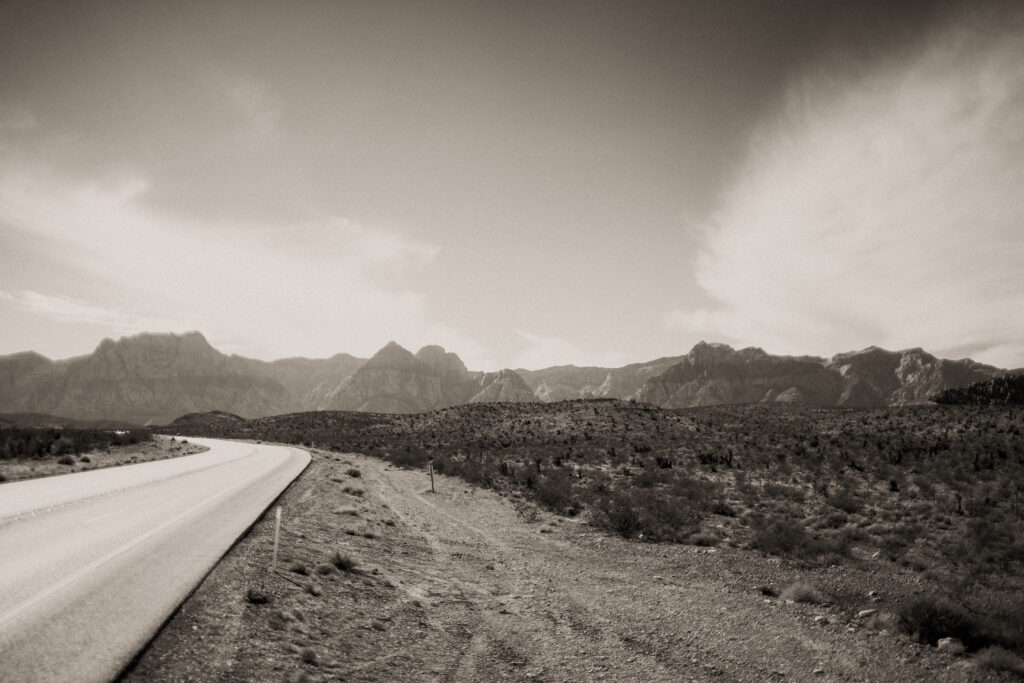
x,y
277,532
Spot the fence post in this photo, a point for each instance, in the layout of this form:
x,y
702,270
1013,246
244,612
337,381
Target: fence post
x,y
430,466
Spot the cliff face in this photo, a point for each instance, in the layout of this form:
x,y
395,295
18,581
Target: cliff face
x,y
713,374
158,377
566,382
140,379
503,386
396,381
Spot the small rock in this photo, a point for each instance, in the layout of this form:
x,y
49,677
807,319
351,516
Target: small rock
x,y
951,645
865,613
820,620
658,578
504,610
818,671
872,594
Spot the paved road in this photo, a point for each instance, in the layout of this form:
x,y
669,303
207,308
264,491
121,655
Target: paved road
x,y
91,564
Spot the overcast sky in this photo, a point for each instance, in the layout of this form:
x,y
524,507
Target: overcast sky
x,y
524,183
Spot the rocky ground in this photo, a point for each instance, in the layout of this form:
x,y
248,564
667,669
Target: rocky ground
x,y
160,448
466,585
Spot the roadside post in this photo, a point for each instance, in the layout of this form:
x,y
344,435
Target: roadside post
x,y
277,533
430,467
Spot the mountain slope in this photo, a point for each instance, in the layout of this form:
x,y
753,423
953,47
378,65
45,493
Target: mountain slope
x,y
715,374
158,377
504,386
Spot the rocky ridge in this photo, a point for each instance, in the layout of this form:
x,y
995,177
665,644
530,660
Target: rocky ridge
x,y
154,378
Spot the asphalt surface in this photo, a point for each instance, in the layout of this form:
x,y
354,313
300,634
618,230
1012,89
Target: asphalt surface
x,y
92,564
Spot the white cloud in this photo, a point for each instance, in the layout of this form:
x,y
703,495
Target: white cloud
x,y
74,311
543,352
883,210
313,288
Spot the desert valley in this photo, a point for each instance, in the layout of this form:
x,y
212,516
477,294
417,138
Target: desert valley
x,y
874,500
467,341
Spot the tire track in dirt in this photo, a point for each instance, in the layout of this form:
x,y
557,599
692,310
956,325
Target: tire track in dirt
x,y
549,607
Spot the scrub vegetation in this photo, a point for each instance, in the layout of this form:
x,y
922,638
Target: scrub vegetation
x,y
934,491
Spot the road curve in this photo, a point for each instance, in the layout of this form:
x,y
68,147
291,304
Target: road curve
x,y
92,564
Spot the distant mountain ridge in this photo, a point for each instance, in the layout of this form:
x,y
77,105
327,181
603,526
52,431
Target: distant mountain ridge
x,y
155,378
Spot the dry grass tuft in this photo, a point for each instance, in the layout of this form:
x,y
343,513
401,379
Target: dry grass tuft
x,y
343,561
803,592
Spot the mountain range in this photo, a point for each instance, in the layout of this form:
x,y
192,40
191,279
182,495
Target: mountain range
x,y
155,378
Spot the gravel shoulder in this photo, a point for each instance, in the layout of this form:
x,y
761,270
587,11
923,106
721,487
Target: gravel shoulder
x,y
466,585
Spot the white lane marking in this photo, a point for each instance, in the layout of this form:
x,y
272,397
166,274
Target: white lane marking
x,y
109,514
71,578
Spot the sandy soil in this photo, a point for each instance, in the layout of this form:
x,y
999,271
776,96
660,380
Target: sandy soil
x,y
464,585
160,448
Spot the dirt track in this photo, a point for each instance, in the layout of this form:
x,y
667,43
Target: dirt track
x,y
460,586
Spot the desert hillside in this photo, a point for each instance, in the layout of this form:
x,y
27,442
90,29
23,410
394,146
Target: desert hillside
x,y
386,575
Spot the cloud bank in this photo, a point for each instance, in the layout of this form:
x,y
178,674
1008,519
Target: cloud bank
x,y
314,288
886,208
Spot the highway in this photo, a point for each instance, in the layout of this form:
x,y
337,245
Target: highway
x,y
92,564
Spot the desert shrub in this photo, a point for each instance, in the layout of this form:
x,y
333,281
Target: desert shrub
x,y
256,596
353,472
38,442
781,536
667,518
803,592
720,507
788,538
299,568
408,457
930,619
702,539
343,561
835,520
996,658
699,494
66,460
782,492
617,512
555,490
846,501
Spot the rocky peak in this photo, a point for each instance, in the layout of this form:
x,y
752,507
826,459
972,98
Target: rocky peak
x,y
153,355
705,353
443,361
393,356
503,386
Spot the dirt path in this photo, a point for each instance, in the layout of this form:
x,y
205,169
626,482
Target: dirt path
x,y
460,586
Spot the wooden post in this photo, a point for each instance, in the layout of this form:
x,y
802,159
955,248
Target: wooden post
x,y
430,466
277,533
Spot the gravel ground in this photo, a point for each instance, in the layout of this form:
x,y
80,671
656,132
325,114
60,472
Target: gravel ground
x,y
465,585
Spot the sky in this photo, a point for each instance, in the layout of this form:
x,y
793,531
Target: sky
x,y
524,183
